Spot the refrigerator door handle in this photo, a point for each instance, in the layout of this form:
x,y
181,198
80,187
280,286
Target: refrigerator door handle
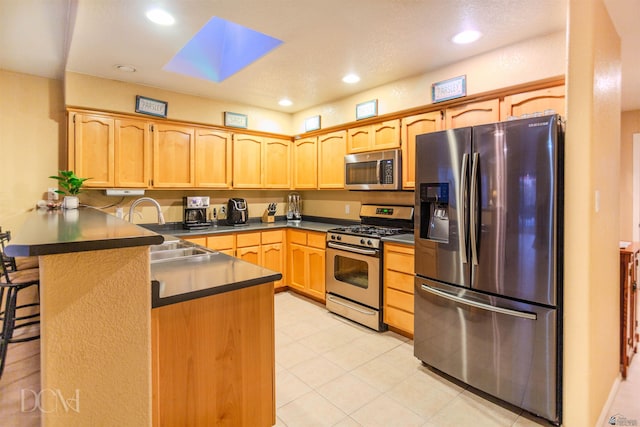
x,y
473,202
460,300
463,208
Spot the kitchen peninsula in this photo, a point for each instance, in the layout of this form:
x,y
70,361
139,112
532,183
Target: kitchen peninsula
x,y
99,333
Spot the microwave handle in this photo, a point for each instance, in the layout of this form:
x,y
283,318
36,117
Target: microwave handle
x,y
378,172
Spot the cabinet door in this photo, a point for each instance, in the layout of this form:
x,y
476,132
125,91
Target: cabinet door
x,y
250,254
411,127
277,163
386,135
94,149
537,101
213,158
247,161
225,243
305,162
198,240
472,114
316,273
398,274
173,156
132,153
272,256
297,266
331,151
358,139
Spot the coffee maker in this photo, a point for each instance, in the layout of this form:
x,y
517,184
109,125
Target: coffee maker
x,y
195,212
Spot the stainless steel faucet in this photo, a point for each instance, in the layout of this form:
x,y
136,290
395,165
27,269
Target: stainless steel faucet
x,y
146,199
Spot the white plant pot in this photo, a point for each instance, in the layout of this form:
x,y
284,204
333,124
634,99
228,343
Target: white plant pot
x,y
70,202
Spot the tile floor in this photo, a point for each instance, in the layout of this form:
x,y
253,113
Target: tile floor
x,y
333,372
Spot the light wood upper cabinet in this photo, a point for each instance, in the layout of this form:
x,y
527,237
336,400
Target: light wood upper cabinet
x,y
277,163
332,148
213,158
305,163
472,114
537,101
173,156
92,154
133,158
379,136
247,161
411,127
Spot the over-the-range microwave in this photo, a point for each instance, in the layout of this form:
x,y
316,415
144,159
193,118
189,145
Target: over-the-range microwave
x,y
376,170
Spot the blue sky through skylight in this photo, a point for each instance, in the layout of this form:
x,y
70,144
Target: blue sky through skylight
x,y
220,49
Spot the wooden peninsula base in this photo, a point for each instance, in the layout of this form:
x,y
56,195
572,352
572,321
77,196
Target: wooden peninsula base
x,y
213,360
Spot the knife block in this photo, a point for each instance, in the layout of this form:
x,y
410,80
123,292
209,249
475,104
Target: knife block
x,y
268,218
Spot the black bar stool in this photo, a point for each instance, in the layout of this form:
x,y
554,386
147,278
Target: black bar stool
x,y
16,316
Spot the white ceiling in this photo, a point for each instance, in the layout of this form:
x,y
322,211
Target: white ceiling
x,y
381,40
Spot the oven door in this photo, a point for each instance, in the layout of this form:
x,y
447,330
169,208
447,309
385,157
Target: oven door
x,y
354,275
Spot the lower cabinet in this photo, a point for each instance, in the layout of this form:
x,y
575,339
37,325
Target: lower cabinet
x,y
398,279
306,260
213,360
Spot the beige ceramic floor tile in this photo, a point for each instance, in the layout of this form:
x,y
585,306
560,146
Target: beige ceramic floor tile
x,y
468,409
310,410
380,374
317,371
386,412
348,393
289,388
292,354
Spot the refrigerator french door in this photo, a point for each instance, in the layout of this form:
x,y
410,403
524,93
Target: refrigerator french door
x,y
488,259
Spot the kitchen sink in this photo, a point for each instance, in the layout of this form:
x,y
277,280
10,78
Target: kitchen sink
x,y
175,249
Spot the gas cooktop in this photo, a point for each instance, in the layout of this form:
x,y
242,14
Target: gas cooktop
x,y
369,230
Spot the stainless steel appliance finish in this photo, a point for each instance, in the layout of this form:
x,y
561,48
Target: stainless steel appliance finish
x,y
294,207
376,170
237,211
195,212
488,261
353,267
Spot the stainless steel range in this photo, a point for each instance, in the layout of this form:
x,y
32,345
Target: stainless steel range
x,y
353,267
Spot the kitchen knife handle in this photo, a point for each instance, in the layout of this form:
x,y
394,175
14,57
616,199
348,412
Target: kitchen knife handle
x,y
473,210
462,208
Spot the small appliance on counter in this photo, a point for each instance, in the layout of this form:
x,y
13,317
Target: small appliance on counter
x,y
294,207
195,212
237,211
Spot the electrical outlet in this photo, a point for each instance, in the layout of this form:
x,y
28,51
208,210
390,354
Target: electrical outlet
x,y
223,210
347,209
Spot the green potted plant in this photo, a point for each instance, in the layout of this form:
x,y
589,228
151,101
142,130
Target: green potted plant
x,y
72,185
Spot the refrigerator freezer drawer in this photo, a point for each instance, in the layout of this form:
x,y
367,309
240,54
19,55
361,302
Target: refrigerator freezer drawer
x,y
505,348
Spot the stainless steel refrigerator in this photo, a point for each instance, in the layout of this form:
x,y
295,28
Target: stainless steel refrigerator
x,y
488,259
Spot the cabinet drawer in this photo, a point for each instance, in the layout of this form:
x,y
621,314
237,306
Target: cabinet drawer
x,y
398,319
199,240
299,237
399,300
399,281
223,242
317,240
271,237
247,239
399,261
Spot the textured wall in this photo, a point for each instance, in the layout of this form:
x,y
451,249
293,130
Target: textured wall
x,y
96,337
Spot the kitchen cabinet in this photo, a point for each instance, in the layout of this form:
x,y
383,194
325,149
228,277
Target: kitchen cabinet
x,y
213,360
198,240
306,262
248,247
379,136
537,101
629,336
91,153
398,280
212,158
305,163
173,156
272,254
133,159
332,147
411,127
472,114
261,162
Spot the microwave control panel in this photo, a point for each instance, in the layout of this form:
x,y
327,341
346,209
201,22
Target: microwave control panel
x,y
387,171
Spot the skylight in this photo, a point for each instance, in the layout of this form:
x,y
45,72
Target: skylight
x,y
220,49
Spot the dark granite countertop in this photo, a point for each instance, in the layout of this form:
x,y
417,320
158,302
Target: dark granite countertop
x,y
47,232
176,229
406,239
182,280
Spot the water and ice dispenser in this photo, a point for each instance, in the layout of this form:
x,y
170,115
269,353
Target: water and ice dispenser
x,y
434,212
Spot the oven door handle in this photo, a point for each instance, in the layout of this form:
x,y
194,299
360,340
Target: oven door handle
x,y
352,249
352,307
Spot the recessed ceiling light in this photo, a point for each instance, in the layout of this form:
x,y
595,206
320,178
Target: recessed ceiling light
x,y
160,17
125,68
351,78
467,36
285,102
